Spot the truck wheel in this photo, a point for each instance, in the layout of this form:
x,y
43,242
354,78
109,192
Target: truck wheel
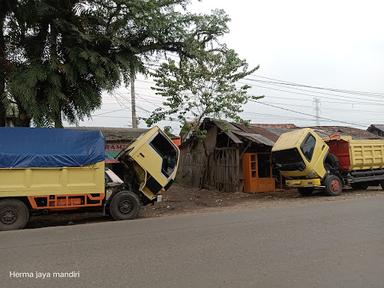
x,y
359,186
124,205
305,191
14,214
333,185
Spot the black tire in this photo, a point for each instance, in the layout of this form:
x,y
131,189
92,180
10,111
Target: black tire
x,y
333,185
305,191
359,186
124,205
14,214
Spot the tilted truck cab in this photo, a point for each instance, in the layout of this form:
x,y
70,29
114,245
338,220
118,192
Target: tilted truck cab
x,y
300,154
303,158
45,169
308,161
151,163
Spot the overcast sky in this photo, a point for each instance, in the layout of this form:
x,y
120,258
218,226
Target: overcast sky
x,y
331,44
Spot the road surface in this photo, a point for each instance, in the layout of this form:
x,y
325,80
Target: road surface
x,y
326,244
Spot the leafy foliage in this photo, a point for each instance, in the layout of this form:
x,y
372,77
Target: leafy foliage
x,y
61,55
203,86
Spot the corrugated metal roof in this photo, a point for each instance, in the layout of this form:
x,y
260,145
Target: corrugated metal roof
x,y
279,126
236,132
377,126
257,138
116,134
228,129
267,134
268,131
356,133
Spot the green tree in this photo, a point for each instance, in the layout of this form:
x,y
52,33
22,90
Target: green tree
x,y
6,8
204,86
57,66
63,54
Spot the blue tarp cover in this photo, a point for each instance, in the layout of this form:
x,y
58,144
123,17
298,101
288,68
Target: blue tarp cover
x,y
49,147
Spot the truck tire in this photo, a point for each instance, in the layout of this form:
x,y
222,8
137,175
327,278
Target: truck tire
x,y
305,191
359,186
14,214
124,205
333,185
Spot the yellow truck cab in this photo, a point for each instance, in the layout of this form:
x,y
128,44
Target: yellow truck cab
x,y
151,163
47,169
308,161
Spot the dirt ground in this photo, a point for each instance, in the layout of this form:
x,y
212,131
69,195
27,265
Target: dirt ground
x,y
181,200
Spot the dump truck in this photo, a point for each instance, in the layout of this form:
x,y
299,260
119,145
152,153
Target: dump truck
x,y
309,162
51,170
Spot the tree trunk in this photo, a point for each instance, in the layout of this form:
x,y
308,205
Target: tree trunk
x,y
3,112
58,121
24,119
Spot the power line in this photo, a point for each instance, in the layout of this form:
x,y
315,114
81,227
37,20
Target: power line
x,y
158,101
341,99
317,111
345,98
107,112
306,119
335,96
274,81
122,117
307,114
376,95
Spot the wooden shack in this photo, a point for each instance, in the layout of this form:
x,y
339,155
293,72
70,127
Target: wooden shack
x,y
231,157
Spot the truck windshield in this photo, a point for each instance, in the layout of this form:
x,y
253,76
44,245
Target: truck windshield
x,y
308,146
167,152
288,160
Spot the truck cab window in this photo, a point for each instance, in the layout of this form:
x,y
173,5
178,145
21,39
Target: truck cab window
x,y
308,147
167,152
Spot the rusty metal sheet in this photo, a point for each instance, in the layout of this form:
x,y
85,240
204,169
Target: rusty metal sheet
x,y
228,129
257,138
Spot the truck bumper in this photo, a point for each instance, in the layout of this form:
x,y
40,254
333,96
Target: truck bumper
x,y
303,182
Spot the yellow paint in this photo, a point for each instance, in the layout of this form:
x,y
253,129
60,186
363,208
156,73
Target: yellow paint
x,y
303,182
366,154
52,181
150,162
293,139
290,139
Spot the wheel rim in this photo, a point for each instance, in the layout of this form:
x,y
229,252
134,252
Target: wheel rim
x,y
125,206
335,185
8,216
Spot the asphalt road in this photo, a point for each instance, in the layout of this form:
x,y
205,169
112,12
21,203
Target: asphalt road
x,y
327,244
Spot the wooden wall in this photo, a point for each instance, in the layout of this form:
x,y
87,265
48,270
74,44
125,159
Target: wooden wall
x,y
224,167
210,167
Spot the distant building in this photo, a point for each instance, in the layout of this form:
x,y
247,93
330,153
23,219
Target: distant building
x,y
377,129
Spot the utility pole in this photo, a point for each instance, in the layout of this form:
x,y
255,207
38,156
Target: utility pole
x,y
133,98
317,110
